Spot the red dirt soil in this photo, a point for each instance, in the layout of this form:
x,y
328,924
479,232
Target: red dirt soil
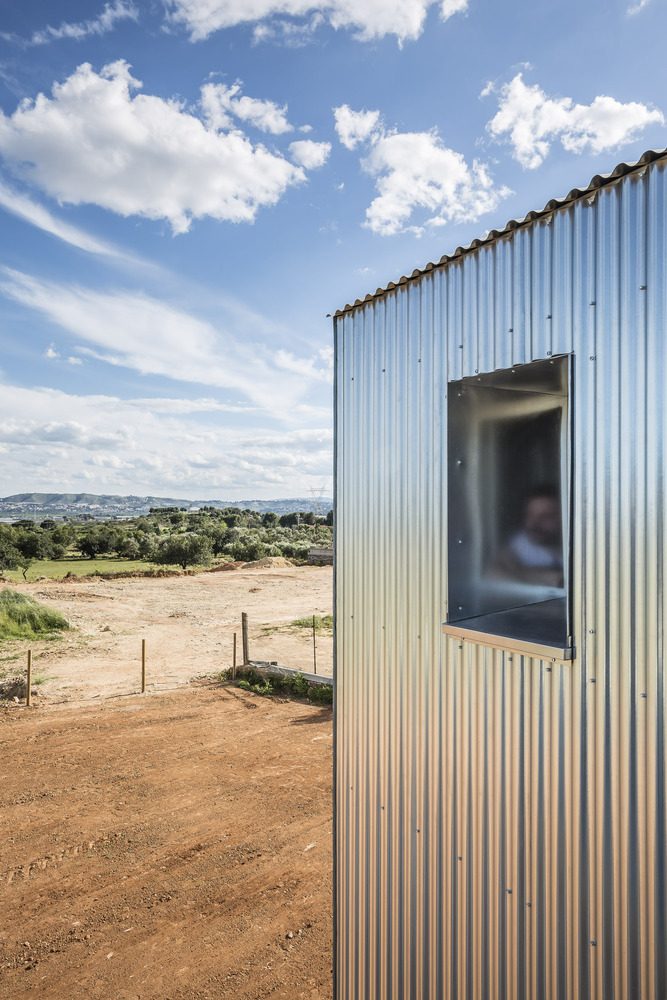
x,y
172,846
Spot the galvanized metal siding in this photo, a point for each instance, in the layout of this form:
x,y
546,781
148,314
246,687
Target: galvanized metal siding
x,y
501,821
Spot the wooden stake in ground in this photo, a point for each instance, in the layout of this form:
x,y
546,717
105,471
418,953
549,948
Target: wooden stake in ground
x,y
314,649
234,660
244,638
143,666
28,686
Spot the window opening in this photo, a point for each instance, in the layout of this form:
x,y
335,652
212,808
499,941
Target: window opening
x,y
509,505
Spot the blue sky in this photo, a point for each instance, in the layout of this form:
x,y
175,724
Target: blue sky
x,y
188,187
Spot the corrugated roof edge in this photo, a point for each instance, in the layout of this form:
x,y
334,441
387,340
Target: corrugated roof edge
x,y
599,181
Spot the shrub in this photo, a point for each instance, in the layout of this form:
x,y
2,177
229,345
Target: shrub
x,y
300,686
321,693
22,617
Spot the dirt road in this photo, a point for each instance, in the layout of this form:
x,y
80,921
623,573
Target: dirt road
x,y
172,846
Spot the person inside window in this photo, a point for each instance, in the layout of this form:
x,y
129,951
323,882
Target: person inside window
x,y
534,554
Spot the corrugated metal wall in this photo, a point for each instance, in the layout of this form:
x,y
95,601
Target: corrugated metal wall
x,y
501,821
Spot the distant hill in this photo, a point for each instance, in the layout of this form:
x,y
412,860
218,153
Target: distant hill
x,y
41,505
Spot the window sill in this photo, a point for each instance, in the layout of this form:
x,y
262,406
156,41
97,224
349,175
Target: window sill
x,y
534,630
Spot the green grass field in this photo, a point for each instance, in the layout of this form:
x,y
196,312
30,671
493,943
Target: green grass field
x,y
55,568
79,566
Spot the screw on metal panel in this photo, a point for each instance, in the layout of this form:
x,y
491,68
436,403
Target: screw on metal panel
x,y
549,316
419,360
510,658
418,831
592,680
592,631
460,541
642,288
460,347
461,646
592,357
460,858
477,372
592,303
384,369
548,670
419,637
529,904
508,891
549,353
594,944
460,607
644,695
511,329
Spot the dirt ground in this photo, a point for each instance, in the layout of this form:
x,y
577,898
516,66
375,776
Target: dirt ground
x,y
188,623
175,845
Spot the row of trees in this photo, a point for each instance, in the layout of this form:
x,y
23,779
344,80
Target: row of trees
x,y
168,537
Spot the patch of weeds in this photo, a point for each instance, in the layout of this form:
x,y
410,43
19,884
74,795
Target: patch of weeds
x,y
300,686
321,693
323,623
282,684
22,617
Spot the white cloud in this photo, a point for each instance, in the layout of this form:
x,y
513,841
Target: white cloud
x,y
54,440
310,154
74,361
106,21
451,7
51,352
221,103
369,18
354,127
152,337
531,120
93,142
289,33
416,171
37,215
636,8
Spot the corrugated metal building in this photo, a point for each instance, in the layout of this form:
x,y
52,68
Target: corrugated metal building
x,y
501,777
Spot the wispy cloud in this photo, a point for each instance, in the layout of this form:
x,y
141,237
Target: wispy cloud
x,y
367,18
77,31
51,439
28,210
153,337
636,8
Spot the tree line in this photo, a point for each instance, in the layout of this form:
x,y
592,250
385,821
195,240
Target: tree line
x,y
168,537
